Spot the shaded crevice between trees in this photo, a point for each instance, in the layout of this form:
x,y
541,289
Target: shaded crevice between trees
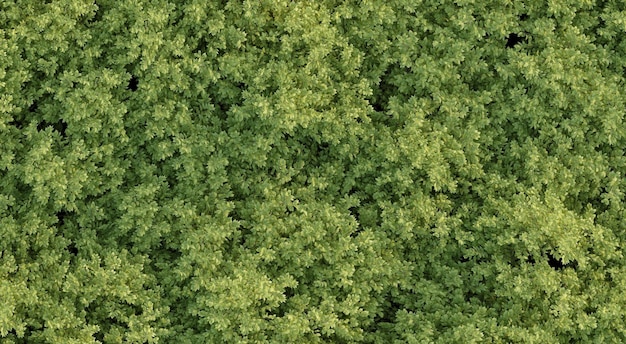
x,y
133,84
72,249
62,216
60,126
516,38
284,306
20,121
97,15
558,265
387,315
385,89
33,107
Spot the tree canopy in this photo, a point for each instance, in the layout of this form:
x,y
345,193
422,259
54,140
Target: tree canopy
x,y
272,171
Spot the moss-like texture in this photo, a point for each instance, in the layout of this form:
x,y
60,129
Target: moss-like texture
x,y
312,171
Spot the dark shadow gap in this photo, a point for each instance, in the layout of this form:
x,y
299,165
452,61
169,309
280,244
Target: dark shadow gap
x,y
72,249
33,107
61,216
558,265
513,40
60,126
133,84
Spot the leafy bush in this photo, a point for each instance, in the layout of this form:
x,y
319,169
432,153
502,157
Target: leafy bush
x,y
312,171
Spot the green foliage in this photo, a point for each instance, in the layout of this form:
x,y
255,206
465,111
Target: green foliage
x,y
312,172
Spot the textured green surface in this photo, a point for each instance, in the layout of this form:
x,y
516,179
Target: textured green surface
x,y
312,171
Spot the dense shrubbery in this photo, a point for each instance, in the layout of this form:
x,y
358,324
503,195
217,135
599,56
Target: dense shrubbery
x,y
312,171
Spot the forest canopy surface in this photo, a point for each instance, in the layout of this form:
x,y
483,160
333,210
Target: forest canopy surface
x,y
271,171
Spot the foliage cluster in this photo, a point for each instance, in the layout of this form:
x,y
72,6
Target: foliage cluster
x,y
274,171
